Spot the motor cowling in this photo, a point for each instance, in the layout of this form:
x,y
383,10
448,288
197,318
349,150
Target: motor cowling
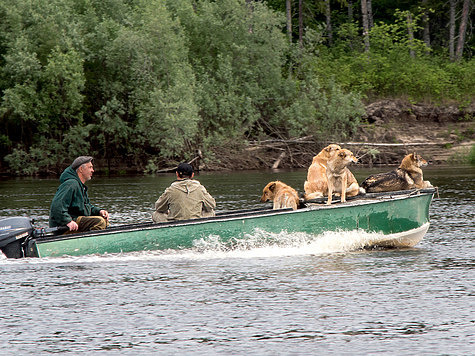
x,y
13,233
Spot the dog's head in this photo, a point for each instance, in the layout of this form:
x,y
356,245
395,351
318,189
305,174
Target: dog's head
x,y
268,193
345,156
332,147
326,152
418,160
413,160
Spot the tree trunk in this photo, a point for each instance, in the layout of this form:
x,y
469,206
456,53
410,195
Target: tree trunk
x,y
410,33
328,15
250,6
453,4
462,29
350,11
301,23
370,13
364,13
289,19
426,29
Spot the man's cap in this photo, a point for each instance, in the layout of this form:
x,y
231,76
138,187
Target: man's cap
x,y
185,169
80,160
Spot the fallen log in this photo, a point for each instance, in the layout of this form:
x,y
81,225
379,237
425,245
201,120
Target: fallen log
x,y
382,144
278,160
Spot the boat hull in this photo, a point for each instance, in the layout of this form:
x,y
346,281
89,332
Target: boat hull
x,y
401,239
402,220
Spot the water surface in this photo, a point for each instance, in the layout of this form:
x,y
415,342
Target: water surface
x,y
308,296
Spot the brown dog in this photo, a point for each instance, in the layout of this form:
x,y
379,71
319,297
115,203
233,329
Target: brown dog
x,y
407,176
281,194
340,179
316,184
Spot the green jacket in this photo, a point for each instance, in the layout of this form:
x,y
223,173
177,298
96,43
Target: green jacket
x,y
70,200
185,199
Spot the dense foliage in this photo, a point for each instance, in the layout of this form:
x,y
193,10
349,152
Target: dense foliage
x,y
145,82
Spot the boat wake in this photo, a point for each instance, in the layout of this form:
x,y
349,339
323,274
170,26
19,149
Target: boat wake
x,y
265,244
259,244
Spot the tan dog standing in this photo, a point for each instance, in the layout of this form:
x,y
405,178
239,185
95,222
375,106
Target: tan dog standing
x,y
316,184
281,194
340,179
407,176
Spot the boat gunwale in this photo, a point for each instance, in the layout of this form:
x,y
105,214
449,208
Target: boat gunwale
x,y
369,198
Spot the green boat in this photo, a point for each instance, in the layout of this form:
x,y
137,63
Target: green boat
x,y
400,219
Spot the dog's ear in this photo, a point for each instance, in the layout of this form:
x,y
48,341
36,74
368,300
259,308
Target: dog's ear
x,y
272,187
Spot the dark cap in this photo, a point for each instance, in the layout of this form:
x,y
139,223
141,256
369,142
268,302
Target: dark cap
x,y
80,160
185,169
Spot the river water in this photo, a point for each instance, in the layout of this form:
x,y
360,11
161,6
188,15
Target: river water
x,y
318,298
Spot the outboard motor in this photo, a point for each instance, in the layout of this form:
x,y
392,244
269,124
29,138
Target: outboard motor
x,y
13,234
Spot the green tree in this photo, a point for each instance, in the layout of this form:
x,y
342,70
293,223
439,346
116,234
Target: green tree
x,y
237,50
165,84
42,79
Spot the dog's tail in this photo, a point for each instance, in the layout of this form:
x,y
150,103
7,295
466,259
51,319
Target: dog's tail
x,y
289,201
313,195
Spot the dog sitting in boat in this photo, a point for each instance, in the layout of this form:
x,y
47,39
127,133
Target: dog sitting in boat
x,y
407,176
340,179
316,184
281,194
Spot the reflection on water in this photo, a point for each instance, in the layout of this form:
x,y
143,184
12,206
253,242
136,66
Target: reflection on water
x,y
300,294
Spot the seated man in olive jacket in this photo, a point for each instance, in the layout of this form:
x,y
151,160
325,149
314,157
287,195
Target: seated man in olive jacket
x,y
70,206
184,199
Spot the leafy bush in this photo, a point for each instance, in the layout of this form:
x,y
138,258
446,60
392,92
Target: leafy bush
x,y
42,157
48,155
325,112
389,70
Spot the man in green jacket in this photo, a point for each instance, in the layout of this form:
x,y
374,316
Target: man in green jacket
x,y
184,199
70,206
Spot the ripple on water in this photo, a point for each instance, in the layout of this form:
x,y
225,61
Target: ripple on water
x,y
279,294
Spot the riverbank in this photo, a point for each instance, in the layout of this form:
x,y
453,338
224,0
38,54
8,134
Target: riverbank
x,y
392,128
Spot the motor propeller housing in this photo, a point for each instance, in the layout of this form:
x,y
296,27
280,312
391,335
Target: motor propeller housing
x,y
13,233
